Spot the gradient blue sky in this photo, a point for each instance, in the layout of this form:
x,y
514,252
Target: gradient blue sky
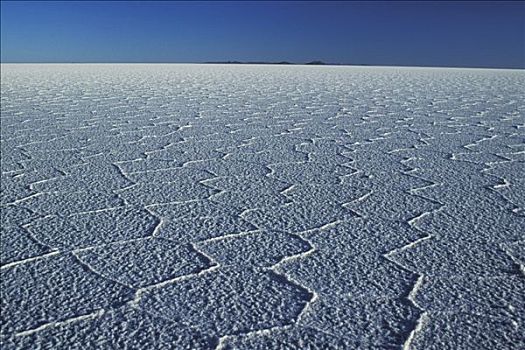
x,y
470,34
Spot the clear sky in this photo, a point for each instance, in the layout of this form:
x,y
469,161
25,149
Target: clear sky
x,y
470,34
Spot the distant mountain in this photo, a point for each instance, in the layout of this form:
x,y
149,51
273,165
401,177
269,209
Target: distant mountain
x,y
249,62
316,63
312,63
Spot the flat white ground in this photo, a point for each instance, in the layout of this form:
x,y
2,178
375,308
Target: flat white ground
x,y
262,207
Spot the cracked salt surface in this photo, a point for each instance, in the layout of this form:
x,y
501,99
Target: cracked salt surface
x,y
262,207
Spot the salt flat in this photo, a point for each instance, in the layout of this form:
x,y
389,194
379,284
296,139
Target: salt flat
x,y
262,207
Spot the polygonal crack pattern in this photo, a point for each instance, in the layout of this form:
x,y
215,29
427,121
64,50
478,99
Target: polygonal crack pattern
x,y
262,207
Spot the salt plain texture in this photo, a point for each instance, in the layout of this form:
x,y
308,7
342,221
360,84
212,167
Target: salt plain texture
x,y
262,207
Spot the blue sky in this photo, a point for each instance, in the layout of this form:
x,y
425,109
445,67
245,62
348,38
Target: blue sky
x,y
470,34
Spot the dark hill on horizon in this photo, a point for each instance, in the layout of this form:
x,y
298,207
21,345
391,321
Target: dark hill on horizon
x,y
266,62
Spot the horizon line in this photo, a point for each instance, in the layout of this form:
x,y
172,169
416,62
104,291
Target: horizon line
x,y
269,63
